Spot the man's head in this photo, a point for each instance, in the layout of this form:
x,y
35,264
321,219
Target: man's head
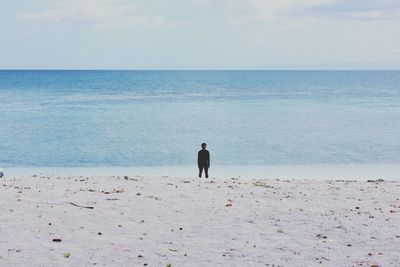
x,y
203,145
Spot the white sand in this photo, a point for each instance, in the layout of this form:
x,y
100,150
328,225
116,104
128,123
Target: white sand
x,y
145,221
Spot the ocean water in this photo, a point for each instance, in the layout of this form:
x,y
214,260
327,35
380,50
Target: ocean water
x,y
160,118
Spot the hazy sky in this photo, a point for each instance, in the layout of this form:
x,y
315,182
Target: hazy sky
x,y
170,34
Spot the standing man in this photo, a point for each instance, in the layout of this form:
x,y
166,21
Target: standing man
x,y
203,160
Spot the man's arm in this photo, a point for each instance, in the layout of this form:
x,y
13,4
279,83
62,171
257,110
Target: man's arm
x,y
198,159
208,159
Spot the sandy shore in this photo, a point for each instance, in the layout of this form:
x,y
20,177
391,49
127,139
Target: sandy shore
x,y
156,221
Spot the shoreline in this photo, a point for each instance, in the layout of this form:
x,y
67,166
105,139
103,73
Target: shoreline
x,y
360,172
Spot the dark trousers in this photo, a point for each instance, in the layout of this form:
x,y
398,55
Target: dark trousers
x,y
205,170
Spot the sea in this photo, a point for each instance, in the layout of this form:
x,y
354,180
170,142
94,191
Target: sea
x,y
150,120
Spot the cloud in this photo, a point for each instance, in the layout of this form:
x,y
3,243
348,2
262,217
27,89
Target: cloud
x,y
112,14
248,11
99,14
252,11
355,10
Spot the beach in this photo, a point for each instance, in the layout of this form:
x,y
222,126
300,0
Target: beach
x,y
111,109
131,220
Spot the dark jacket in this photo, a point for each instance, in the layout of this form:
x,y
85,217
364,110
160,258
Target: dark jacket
x,y
203,159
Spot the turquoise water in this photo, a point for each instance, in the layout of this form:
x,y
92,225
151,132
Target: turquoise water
x,y
160,118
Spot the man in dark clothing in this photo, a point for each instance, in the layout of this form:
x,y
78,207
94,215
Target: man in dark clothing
x,y
203,160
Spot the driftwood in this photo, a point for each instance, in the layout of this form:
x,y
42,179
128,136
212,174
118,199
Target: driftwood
x,y
79,206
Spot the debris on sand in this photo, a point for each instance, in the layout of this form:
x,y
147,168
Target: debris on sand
x,y
79,206
321,236
262,184
375,181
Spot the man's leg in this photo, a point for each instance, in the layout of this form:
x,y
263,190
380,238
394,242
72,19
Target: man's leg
x,y
200,170
206,171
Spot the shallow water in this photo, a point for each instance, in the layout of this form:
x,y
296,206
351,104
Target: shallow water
x,y
159,118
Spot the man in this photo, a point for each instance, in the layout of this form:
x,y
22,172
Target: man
x,y
203,160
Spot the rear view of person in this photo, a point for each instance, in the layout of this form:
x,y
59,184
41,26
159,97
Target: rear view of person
x,y
203,160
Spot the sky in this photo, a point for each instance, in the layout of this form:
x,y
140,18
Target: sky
x,y
200,34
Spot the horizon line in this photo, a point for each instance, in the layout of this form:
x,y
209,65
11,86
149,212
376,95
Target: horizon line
x,y
197,69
